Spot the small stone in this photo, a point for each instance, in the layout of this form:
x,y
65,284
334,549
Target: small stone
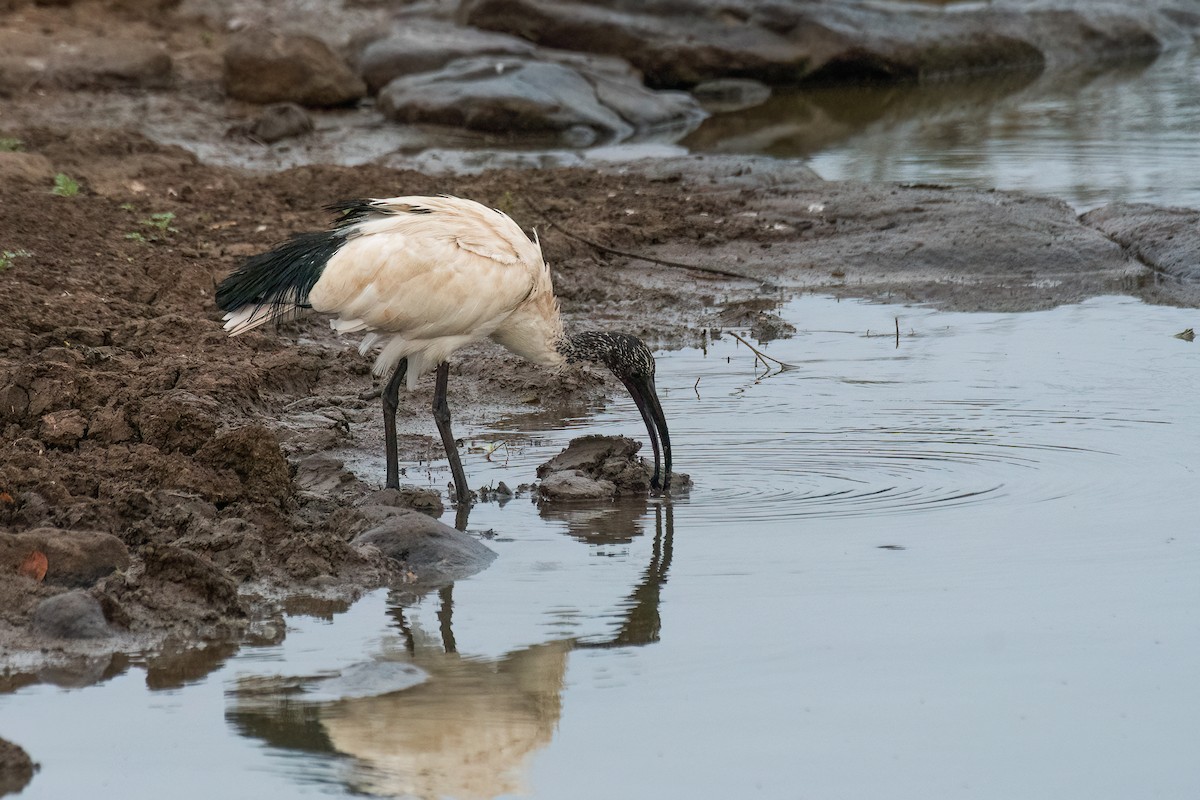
x,y
74,615
63,428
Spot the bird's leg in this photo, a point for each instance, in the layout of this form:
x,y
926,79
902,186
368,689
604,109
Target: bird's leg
x,y
391,401
441,415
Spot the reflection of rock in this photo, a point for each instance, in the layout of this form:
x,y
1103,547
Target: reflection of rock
x,y
524,95
468,732
731,94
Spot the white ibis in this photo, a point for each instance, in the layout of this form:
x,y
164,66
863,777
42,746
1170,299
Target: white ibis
x,y
423,276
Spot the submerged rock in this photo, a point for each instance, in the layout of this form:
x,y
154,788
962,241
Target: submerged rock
x,y
434,553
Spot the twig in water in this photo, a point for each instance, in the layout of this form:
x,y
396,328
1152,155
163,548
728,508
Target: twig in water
x,y
759,354
696,388
897,333
613,251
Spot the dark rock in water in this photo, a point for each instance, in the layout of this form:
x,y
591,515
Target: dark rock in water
x,y
516,94
265,67
16,768
73,558
433,552
593,467
74,615
1165,239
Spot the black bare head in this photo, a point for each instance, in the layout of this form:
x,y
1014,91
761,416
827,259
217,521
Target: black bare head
x,y
631,361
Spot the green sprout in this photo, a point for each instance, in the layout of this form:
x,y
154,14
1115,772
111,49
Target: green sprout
x,y
7,257
11,144
65,185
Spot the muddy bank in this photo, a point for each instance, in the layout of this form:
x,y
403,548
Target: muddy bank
x,y
16,768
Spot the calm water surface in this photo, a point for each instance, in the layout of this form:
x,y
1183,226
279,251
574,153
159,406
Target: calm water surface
x,y
1088,136
960,565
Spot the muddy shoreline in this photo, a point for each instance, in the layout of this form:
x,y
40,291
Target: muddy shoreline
x,y
184,485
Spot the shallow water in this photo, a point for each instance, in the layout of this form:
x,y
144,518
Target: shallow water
x,y
1088,136
960,563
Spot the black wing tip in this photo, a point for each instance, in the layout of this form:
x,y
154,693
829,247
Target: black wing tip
x,y
351,212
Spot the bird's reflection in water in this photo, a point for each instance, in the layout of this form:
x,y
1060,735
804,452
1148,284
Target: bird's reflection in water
x,y
470,729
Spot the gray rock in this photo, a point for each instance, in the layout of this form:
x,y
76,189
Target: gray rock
x,y
264,67
523,95
73,558
74,615
680,43
434,553
1165,239
426,46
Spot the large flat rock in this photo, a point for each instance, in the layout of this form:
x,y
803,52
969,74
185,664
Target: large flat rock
x,y
679,43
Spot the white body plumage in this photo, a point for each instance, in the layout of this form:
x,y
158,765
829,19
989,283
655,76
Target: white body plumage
x,y
423,276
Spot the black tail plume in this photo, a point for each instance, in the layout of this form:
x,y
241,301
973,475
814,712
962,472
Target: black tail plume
x,y
281,278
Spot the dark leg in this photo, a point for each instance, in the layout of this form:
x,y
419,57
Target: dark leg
x,y
441,415
391,401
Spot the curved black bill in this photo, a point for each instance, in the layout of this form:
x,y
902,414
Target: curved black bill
x,y
646,397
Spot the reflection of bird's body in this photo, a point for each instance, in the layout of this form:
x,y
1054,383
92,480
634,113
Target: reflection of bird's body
x,y
423,276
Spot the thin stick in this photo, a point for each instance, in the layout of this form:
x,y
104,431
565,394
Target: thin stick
x,y
760,354
897,333
613,251
696,388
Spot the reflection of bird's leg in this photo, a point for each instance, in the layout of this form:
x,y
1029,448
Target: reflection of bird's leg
x,y
446,618
441,415
410,644
391,401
